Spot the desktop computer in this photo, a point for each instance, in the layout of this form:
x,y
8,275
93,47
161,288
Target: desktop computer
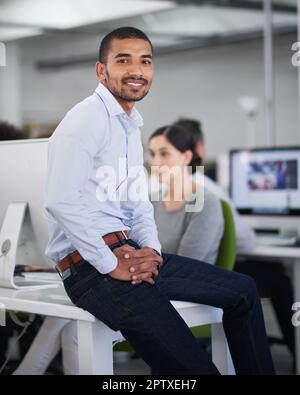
x,y
265,189
23,225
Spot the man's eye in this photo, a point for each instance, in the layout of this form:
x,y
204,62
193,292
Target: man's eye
x,y
147,61
122,61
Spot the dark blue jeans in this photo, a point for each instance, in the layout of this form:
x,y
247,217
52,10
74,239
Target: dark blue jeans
x,y
146,318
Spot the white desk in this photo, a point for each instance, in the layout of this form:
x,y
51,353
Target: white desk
x,y
95,339
289,255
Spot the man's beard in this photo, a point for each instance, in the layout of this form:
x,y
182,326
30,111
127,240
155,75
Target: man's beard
x,y
122,95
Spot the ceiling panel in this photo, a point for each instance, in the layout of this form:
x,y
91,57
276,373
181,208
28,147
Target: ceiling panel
x,y
66,14
208,20
165,21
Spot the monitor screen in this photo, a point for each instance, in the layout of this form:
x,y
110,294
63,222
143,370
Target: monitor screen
x,y
266,180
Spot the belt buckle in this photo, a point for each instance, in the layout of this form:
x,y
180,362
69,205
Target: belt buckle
x,y
65,274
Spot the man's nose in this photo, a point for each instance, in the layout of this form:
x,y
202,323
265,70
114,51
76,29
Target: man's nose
x,y
135,71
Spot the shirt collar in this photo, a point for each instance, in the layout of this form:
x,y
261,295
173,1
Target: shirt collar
x,y
114,108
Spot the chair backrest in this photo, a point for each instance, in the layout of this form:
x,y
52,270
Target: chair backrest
x,y
227,249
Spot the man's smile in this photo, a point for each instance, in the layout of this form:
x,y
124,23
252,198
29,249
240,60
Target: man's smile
x,y
135,83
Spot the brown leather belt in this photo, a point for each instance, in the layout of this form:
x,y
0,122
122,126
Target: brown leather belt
x,y
110,239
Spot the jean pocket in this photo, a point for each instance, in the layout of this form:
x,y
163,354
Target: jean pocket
x,y
120,288
74,285
82,300
103,310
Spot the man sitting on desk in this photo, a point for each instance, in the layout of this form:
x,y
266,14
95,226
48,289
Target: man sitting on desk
x,y
106,245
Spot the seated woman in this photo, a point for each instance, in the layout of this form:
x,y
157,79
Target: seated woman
x,y
183,229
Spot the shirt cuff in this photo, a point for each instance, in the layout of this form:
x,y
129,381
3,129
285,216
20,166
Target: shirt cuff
x,y
105,263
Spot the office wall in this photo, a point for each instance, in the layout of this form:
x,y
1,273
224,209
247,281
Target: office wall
x,y
206,84
203,83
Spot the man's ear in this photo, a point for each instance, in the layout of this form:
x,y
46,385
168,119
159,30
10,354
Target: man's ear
x,y
100,71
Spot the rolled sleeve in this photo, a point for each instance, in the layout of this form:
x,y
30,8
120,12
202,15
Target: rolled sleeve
x,y
105,263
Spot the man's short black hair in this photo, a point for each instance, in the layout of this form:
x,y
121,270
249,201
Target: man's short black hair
x,y
193,125
11,132
121,33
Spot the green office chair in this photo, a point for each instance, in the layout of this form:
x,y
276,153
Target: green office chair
x,y
227,249
226,259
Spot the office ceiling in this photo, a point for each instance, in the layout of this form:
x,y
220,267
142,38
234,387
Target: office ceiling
x,y
170,24
22,18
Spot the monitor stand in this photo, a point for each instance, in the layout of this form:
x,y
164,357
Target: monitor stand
x,y
9,239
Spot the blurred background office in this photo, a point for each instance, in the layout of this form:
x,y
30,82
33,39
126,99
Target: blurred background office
x,y
227,63
209,54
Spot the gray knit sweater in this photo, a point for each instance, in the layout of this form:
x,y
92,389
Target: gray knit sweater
x,y
196,235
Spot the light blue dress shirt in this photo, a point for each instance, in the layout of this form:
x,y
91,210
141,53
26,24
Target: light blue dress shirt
x,y
94,134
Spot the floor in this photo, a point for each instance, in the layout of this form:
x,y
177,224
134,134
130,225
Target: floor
x,y
281,355
123,365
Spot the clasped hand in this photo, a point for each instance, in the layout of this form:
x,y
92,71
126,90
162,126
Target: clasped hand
x,y
136,265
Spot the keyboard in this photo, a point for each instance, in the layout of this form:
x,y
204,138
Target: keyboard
x,y
28,280
41,277
276,240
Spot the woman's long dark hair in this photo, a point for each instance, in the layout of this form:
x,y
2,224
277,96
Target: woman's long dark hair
x,y
182,139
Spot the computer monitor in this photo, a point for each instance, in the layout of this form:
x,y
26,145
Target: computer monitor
x,y
23,225
266,181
